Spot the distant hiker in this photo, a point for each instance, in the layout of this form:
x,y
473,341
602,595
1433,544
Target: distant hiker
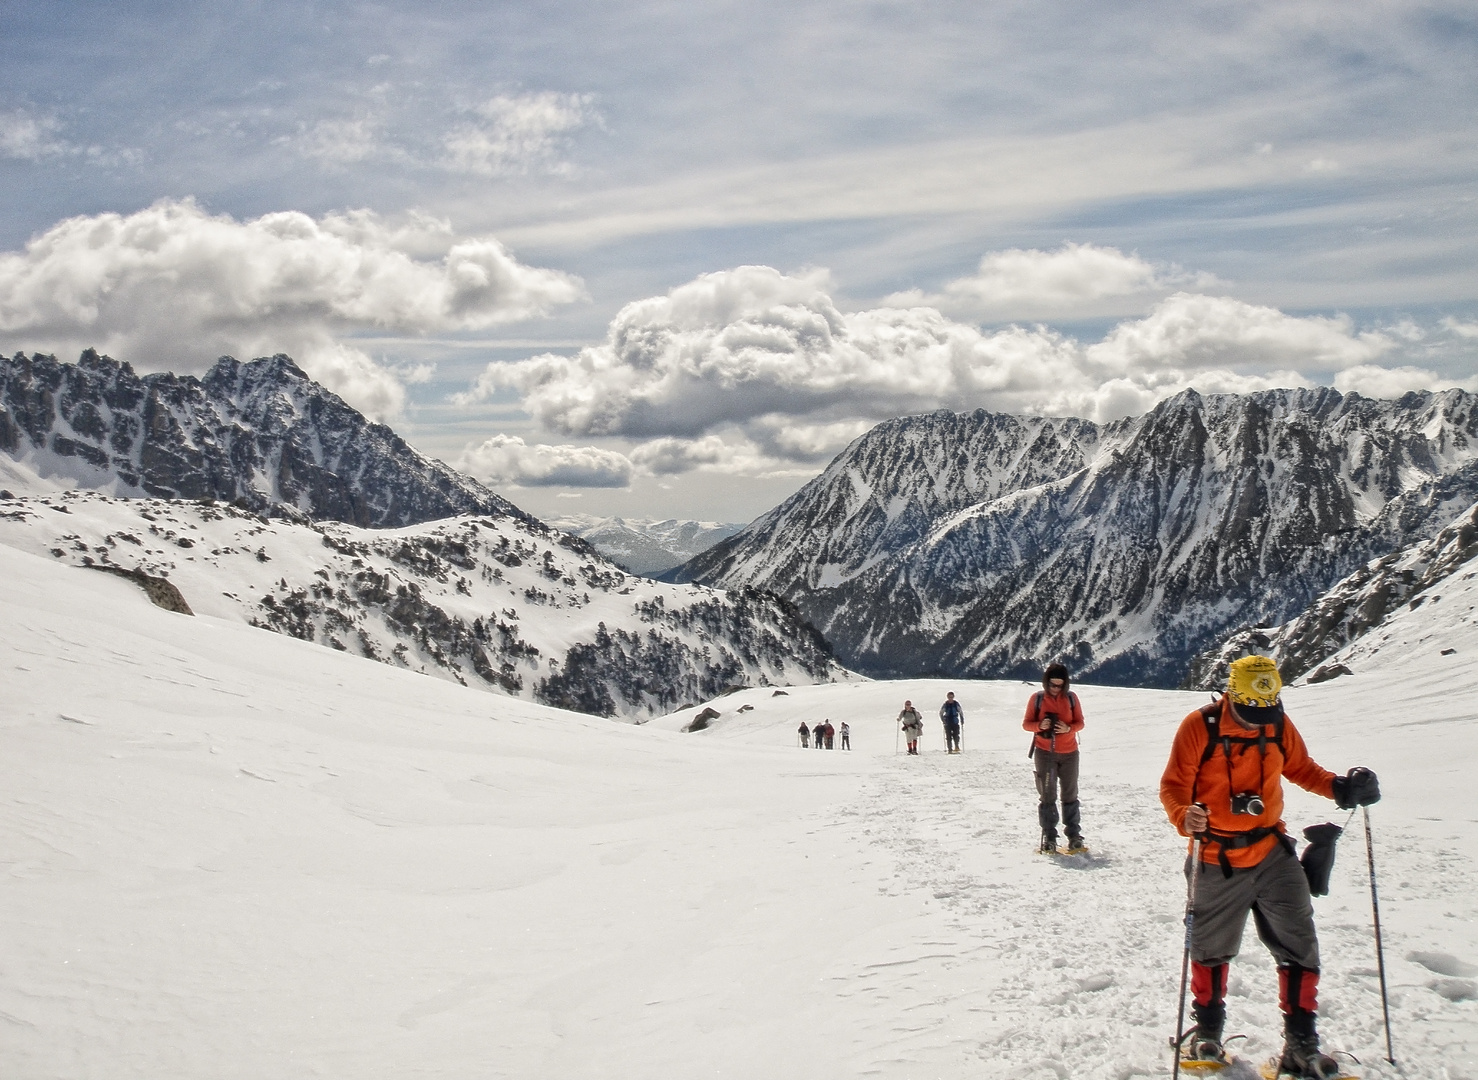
x,y
913,727
818,737
805,734
1223,786
1054,717
830,734
846,736
953,718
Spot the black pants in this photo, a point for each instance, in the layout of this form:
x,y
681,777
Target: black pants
x,y
1057,772
951,735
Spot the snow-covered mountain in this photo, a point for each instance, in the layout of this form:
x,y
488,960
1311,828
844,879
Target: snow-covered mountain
x,y
503,604
260,434
980,544
1357,606
645,546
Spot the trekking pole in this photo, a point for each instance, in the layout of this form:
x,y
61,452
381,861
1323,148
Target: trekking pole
x,y
1185,959
895,741
1380,954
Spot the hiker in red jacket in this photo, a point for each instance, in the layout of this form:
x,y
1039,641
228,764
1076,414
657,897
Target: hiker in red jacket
x,y
1054,718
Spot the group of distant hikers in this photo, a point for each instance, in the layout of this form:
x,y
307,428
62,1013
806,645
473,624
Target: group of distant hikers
x,y
1222,789
825,735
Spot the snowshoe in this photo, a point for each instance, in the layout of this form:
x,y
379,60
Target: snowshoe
x,y
1274,1069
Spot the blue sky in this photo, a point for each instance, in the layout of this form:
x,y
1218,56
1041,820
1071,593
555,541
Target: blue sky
x,y
665,259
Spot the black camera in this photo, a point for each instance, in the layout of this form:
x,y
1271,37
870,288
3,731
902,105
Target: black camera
x,y
1247,802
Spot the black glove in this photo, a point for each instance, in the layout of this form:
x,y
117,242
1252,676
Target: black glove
x,y
1358,787
1318,857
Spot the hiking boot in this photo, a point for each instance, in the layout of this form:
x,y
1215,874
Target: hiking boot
x,y
1075,845
1301,1056
1204,1041
1049,845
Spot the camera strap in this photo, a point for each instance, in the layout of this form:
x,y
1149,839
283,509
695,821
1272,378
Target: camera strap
x,y
1211,715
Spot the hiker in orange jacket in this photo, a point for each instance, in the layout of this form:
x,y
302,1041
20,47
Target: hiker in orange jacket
x,y
1054,717
1224,785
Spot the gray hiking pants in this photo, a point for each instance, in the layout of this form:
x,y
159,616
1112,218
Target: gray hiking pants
x,y
1277,894
1054,772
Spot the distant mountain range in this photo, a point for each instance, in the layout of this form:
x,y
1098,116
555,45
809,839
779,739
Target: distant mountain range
x,y
642,545
261,496
1148,551
261,435
980,544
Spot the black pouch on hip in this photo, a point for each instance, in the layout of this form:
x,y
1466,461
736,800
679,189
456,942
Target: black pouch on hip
x,y
1318,857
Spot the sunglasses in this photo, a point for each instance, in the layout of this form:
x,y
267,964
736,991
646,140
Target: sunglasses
x,y
1057,683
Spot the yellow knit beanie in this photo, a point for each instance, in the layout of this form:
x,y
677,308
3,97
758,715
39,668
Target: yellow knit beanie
x,y
1254,680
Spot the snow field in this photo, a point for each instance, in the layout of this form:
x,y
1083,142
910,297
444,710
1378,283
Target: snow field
x,y
228,853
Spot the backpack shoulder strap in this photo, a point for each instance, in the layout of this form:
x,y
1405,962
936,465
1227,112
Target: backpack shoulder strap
x,y
1211,714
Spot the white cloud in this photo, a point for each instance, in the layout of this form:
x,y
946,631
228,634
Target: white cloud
x,y
507,459
337,142
669,456
516,134
1191,331
172,287
750,369
26,137
1075,280
1461,329
1379,382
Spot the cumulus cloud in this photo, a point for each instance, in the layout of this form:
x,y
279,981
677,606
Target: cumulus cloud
x,y
1379,382
516,133
1191,331
1075,280
172,287
507,459
751,369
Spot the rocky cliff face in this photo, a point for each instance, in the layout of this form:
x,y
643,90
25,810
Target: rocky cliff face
x,y
988,545
260,434
1354,607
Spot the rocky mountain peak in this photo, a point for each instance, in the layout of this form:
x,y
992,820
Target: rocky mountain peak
x,y
987,545
260,434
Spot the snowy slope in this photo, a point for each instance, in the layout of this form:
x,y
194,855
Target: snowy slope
x,y
236,855
502,604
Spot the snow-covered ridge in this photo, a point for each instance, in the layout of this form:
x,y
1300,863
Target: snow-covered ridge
x,y
986,545
646,546
502,604
261,434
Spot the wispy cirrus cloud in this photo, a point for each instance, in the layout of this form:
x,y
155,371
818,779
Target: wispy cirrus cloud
x,y
25,136
516,133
